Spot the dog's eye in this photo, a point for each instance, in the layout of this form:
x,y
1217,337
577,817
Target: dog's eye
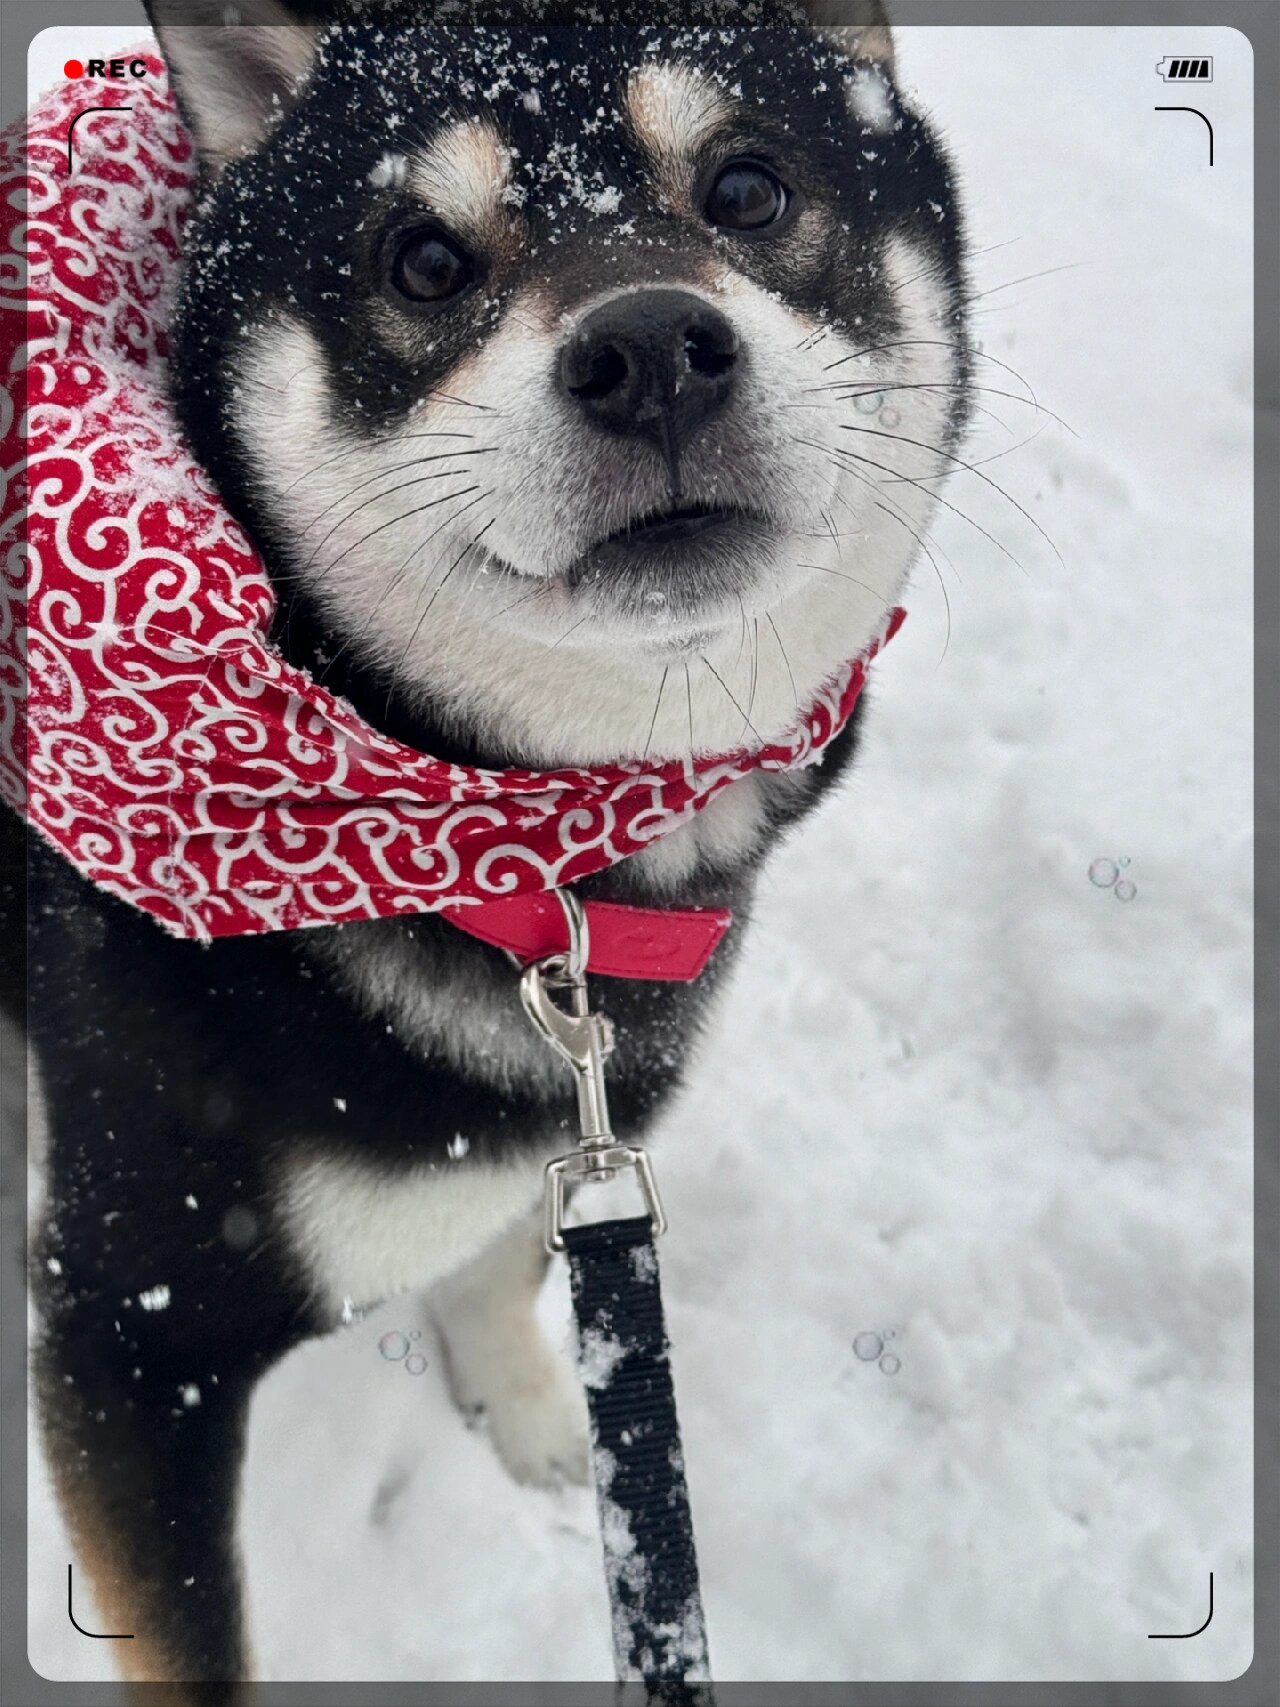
x,y
746,197
430,267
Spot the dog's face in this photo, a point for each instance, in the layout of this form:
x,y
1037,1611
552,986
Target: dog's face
x,y
587,386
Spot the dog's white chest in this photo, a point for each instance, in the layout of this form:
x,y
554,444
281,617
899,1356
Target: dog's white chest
x,y
363,1234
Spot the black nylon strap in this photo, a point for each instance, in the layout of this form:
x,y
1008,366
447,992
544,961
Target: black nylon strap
x,y
659,1634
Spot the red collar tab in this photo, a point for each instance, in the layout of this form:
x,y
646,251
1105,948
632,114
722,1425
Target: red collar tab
x,y
671,945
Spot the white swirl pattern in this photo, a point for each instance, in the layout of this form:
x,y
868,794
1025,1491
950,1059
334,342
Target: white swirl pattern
x,y
163,745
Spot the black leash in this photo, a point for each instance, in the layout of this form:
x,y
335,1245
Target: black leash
x,y
659,1634
651,1568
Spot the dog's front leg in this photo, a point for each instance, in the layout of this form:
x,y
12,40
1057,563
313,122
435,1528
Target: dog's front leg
x,y
146,1473
500,1366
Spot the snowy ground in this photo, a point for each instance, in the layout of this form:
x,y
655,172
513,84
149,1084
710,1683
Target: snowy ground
x,y
959,1091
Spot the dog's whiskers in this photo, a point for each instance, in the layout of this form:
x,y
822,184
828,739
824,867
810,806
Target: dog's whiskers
x,y
386,473
745,716
653,721
843,575
742,632
870,462
871,388
394,521
934,344
946,597
572,629
982,461
1027,278
795,692
463,402
377,498
345,455
540,587
755,671
398,577
956,462
409,643
895,514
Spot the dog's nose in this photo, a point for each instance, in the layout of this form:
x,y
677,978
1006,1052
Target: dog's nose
x,y
653,363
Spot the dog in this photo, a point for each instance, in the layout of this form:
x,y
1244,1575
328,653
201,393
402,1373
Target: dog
x,y
526,352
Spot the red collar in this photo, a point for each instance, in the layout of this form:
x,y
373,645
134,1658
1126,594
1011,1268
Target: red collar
x,y
671,944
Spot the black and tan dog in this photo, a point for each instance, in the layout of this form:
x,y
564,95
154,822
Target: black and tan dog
x,y
621,286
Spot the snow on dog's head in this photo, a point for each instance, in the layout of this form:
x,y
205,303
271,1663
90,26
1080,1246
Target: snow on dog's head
x,y
584,386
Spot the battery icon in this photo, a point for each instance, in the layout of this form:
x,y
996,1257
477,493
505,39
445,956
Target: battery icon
x,y
1186,70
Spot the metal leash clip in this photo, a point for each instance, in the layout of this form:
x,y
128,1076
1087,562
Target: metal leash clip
x,y
585,1040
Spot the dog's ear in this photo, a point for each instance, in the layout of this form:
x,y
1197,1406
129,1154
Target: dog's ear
x,y
234,67
861,27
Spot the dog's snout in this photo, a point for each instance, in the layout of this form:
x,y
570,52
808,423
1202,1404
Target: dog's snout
x,y
653,363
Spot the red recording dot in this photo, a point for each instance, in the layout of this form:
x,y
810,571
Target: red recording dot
x,y
73,68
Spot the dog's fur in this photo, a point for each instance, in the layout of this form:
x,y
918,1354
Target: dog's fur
x,y
250,1141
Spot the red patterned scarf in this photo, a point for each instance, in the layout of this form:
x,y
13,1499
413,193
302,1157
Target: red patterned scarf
x,y
167,749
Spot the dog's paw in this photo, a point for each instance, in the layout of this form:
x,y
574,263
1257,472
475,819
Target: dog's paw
x,y
535,1416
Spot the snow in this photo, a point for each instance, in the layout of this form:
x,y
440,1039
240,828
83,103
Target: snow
x,y
959,1097
870,99
644,1263
599,1354
389,171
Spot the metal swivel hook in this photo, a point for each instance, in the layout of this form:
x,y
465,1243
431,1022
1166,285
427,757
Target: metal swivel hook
x,y
584,1040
